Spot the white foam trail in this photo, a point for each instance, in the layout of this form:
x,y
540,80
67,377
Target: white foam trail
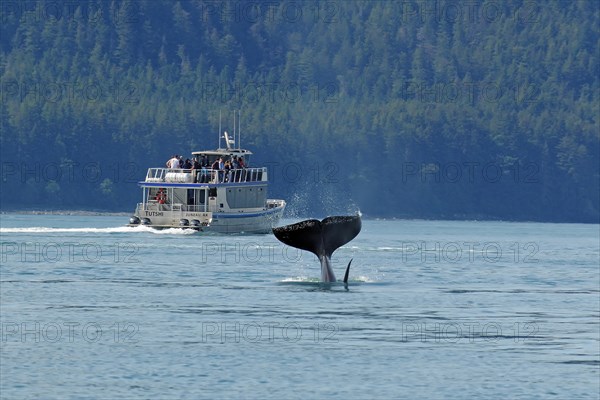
x,y
118,229
169,231
360,278
300,279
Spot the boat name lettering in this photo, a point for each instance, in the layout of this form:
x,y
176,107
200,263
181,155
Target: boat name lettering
x,y
192,214
154,213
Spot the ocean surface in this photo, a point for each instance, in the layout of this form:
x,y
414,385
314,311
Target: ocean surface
x,y
434,310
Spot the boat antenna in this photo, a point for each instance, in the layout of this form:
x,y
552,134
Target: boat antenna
x,y
219,133
239,129
233,128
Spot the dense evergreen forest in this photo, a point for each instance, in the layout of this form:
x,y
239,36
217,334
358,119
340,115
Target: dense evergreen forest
x,y
419,109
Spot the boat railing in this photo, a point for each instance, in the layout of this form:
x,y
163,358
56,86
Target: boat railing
x,y
155,175
206,175
153,205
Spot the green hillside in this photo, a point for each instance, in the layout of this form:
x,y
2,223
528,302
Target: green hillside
x,y
428,109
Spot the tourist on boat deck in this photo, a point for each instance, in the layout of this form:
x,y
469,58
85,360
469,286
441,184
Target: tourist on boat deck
x,y
221,169
173,162
218,166
235,163
188,164
227,169
195,164
241,162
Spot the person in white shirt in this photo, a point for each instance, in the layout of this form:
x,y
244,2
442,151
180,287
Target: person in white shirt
x,y
173,163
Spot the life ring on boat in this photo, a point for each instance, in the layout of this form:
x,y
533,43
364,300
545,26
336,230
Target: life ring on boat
x,y
161,197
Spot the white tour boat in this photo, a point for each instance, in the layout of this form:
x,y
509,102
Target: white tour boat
x,y
209,199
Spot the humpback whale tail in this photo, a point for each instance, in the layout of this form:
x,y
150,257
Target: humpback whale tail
x,y
321,238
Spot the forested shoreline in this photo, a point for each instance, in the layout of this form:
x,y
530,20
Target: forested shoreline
x,y
411,109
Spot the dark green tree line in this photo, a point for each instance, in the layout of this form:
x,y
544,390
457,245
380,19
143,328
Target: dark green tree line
x,y
436,109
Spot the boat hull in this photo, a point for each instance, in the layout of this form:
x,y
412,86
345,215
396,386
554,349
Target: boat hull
x,y
246,222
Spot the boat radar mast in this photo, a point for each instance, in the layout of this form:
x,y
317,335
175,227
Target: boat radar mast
x,y
230,143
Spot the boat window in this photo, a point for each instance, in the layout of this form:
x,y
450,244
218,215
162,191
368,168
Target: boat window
x,y
179,196
201,196
246,198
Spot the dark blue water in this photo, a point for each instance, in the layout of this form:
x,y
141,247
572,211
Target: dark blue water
x,y
90,309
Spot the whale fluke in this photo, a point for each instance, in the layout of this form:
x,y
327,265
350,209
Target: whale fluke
x,y
321,238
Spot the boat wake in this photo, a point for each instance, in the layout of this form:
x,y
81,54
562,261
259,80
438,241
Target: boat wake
x,y
118,229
